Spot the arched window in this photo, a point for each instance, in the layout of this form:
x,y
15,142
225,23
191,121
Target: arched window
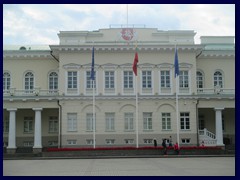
x,y
53,81
218,79
29,82
6,81
199,79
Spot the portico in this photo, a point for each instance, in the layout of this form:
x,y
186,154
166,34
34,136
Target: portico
x,y
29,128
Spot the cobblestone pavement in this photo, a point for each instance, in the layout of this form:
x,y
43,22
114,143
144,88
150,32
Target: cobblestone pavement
x,y
199,166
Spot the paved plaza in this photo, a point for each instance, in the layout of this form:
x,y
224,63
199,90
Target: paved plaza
x,y
193,166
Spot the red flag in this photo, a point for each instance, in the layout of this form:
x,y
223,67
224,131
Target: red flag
x,y
135,63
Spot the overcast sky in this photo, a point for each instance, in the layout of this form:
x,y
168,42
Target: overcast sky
x,y
36,24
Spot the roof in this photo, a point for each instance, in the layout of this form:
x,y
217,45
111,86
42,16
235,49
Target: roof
x,y
28,47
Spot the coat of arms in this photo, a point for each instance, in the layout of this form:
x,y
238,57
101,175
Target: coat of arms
x,y
128,34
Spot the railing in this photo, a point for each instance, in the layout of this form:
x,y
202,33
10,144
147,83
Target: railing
x,y
207,133
48,92
127,26
216,91
208,142
207,138
30,92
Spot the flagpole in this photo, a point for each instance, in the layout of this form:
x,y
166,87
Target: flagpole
x,y
94,123
177,89
92,77
177,111
136,91
136,87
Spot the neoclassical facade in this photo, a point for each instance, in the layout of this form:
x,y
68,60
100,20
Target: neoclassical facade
x,y
48,93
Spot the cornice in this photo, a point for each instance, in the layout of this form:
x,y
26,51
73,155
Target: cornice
x,y
124,47
29,54
118,97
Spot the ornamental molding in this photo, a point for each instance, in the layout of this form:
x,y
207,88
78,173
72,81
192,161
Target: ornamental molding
x,y
72,66
109,66
89,66
126,66
185,65
114,46
165,65
146,66
26,54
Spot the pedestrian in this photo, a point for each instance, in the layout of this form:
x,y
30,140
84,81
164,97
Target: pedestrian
x,y
155,142
170,141
176,148
164,146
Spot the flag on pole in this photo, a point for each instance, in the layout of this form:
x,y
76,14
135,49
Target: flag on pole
x,y
136,86
176,63
176,74
135,63
92,68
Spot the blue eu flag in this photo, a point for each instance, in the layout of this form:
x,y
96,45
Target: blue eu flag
x,y
176,64
92,68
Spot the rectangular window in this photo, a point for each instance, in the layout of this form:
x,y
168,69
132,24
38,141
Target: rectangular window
x,y
185,121
53,124
129,141
128,79
72,142
201,122
165,79
89,81
185,141
110,141
72,79
147,121
89,141
148,141
28,143
109,80
89,122
72,122
110,121
28,124
52,143
183,79
146,79
166,121
128,124
199,80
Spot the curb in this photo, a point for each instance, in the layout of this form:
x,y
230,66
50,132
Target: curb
x,y
118,157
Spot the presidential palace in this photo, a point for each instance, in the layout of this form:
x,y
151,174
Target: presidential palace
x,y
49,99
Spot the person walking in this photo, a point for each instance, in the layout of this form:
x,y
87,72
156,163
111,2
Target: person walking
x,y
176,148
170,141
164,146
155,142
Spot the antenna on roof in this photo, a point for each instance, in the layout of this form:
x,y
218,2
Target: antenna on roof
x,y
127,15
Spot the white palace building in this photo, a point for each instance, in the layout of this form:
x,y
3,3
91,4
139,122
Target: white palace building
x,y
48,94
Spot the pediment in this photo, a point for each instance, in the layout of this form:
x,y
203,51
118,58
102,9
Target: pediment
x,y
71,66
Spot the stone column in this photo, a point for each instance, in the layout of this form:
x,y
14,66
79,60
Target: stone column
x,y
11,149
219,131
37,131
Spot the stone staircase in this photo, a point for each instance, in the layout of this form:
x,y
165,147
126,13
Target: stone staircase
x,y
207,138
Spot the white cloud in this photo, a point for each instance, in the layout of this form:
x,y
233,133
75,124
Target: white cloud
x,y
40,23
36,14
